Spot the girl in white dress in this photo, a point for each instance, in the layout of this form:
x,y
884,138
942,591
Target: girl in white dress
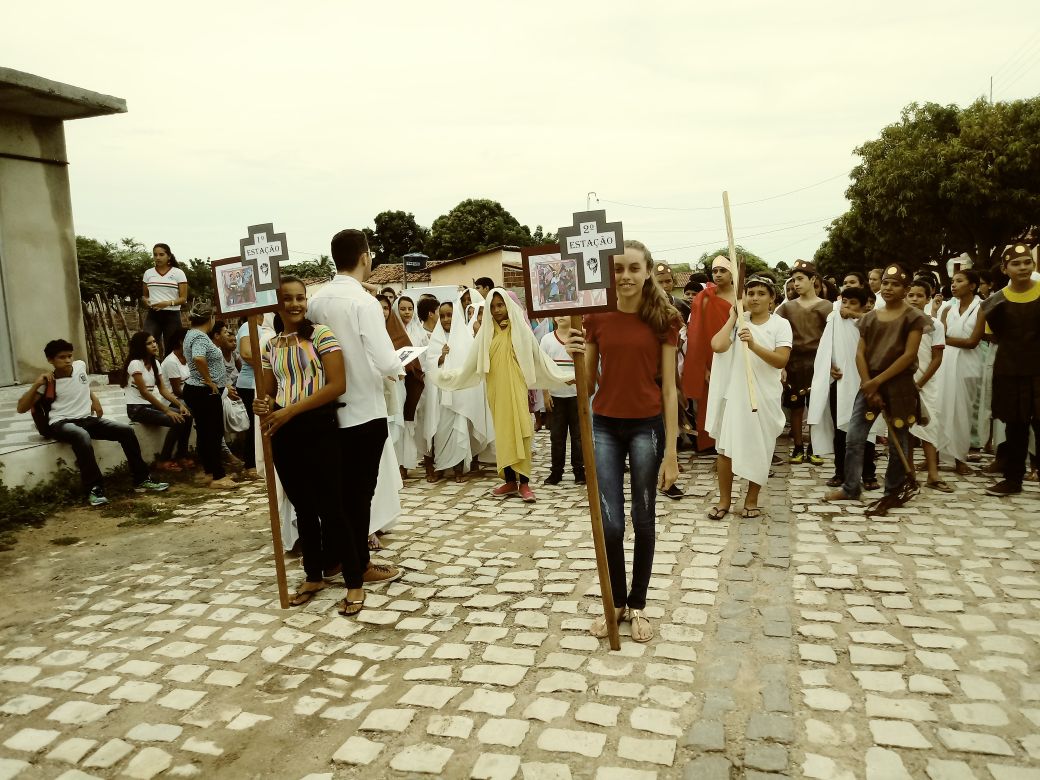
x,y
962,374
745,440
927,378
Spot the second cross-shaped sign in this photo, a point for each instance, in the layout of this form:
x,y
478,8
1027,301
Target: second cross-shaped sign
x,y
592,242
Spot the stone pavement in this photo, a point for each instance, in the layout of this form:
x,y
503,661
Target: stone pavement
x,y
811,643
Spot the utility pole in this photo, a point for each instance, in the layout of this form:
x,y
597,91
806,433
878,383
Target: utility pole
x,y
991,90
588,200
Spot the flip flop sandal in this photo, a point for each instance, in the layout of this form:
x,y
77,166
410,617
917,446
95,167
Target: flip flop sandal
x,y
637,614
835,482
604,633
751,512
347,608
304,593
939,485
717,513
871,484
373,543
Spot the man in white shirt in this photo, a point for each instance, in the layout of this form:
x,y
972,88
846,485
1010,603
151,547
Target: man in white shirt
x,y
356,318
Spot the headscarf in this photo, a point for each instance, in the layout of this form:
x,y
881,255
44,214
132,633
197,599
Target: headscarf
x,y
413,378
414,325
724,262
539,370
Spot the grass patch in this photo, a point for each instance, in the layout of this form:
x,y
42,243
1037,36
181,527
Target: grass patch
x,y
145,514
64,541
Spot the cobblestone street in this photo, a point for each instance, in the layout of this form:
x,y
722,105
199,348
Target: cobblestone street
x,y
809,643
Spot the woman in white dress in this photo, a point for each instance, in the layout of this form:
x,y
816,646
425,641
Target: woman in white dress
x,y
965,326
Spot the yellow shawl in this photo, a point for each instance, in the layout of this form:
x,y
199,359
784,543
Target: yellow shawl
x,y
507,397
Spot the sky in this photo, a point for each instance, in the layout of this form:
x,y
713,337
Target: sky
x,y
317,116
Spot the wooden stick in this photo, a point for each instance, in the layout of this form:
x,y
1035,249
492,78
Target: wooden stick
x,y
740,302
592,486
104,330
272,491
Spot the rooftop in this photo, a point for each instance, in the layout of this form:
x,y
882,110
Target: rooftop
x,y
390,273
29,95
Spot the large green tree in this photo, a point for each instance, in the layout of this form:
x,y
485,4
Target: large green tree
x,y
108,269
474,225
309,270
941,181
396,234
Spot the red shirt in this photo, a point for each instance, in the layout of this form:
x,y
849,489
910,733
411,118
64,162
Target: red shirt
x,y
630,362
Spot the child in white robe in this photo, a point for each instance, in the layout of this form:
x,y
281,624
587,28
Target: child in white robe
x,y
746,440
927,378
451,440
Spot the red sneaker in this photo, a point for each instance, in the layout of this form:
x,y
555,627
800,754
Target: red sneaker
x,y
505,489
526,493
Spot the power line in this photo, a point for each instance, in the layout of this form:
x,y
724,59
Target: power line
x,y
719,208
1029,66
712,229
1025,45
745,236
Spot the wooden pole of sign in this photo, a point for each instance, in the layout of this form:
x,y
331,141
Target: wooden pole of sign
x,y
265,441
581,381
738,283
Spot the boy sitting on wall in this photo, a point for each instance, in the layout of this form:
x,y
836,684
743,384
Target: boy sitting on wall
x,y
75,417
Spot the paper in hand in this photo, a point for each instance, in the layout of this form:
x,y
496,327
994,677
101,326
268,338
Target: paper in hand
x,y
407,354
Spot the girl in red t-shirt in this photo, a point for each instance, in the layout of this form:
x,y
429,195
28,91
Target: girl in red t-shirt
x,y
635,418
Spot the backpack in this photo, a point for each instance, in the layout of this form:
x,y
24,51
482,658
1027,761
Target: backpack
x,y
41,410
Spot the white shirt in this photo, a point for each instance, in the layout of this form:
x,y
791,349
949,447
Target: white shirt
x,y
131,395
553,347
71,395
368,353
172,368
164,287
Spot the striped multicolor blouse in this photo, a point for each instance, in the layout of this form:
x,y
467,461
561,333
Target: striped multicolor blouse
x,y
296,363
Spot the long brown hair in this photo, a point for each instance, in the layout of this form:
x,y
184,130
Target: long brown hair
x,y
655,309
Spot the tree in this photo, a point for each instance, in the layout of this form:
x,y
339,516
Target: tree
x,y
540,237
752,262
397,233
200,278
782,269
111,269
309,270
473,226
939,182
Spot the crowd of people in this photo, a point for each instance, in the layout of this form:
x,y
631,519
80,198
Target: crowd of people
x,y
885,359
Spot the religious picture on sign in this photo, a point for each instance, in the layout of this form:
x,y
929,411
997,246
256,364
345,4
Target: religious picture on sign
x,y
262,251
553,286
591,242
237,290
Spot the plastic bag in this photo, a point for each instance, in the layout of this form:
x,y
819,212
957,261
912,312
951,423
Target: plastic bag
x,y
236,419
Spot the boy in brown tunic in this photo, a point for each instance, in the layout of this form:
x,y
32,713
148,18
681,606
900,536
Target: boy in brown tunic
x,y
886,360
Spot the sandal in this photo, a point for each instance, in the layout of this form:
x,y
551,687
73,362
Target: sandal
x,y
939,485
599,626
373,543
306,592
871,484
346,607
717,513
751,512
835,481
168,465
633,616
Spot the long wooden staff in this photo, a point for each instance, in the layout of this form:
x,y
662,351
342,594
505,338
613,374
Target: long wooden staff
x,y
740,300
265,442
581,381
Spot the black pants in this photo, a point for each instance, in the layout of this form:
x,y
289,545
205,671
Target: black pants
x,y
869,450
307,455
80,435
564,418
163,324
247,394
511,476
362,449
177,436
1015,449
208,411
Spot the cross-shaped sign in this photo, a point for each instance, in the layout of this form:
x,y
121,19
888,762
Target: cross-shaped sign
x,y
592,241
263,249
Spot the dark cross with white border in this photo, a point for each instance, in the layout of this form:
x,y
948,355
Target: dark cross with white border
x,y
592,241
264,249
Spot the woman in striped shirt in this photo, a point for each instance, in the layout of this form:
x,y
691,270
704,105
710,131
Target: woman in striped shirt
x,y
303,377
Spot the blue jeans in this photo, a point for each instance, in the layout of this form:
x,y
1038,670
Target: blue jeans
x,y
80,434
859,427
641,441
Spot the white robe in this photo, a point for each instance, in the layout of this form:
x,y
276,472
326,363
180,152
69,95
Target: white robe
x,y
748,439
931,395
838,346
962,376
